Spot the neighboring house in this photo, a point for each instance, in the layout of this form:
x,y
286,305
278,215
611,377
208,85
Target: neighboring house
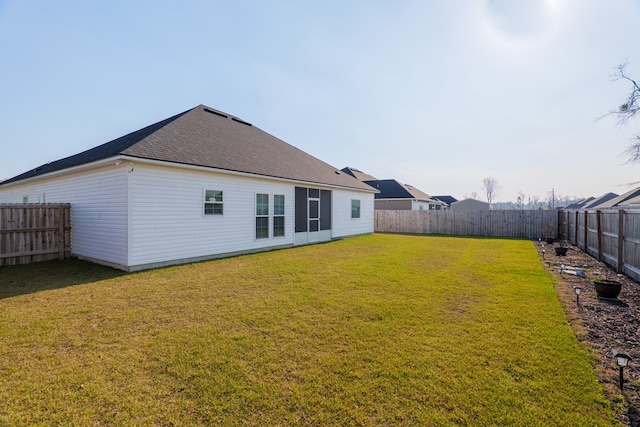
x,y
396,196
470,205
595,203
579,205
449,200
631,203
620,200
198,185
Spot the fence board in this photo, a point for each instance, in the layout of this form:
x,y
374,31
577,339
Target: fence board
x,y
34,232
528,224
616,241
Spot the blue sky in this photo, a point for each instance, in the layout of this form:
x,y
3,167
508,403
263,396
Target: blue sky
x,y
438,94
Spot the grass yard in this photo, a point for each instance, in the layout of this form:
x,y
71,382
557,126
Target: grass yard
x,y
375,330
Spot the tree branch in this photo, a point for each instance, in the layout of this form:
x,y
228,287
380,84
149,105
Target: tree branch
x,y
627,110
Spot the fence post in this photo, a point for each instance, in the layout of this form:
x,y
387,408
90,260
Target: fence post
x,y
620,240
61,240
575,234
599,233
586,231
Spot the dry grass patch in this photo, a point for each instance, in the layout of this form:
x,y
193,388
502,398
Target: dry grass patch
x,y
376,330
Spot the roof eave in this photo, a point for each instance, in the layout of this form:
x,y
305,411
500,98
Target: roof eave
x,y
243,173
62,172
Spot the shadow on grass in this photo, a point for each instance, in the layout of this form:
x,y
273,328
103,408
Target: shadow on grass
x,y
44,276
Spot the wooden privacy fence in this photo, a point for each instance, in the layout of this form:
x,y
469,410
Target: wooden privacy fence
x,y
34,232
610,235
527,224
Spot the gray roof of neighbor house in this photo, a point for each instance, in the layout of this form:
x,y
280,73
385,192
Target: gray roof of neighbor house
x,y
358,174
203,136
580,204
631,202
447,199
392,189
621,199
599,200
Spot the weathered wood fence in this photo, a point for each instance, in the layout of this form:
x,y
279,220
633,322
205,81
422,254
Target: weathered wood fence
x,y
34,232
528,224
610,235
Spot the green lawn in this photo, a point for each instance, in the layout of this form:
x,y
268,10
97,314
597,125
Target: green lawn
x,y
374,330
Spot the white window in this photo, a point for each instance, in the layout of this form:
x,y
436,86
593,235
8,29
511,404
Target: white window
x,y
278,215
213,202
262,216
355,209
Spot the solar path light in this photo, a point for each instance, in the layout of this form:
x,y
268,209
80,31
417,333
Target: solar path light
x,y
578,291
622,360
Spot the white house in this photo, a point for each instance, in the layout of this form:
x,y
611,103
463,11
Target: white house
x,y
198,185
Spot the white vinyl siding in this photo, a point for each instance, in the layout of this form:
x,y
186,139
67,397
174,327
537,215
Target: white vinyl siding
x,y
342,223
98,199
134,214
166,214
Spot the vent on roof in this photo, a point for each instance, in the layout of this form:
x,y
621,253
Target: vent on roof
x,y
217,113
235,119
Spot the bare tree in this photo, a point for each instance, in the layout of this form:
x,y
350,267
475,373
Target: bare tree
x,y
473,195
521,198
552,198
628,109
491,188
534,201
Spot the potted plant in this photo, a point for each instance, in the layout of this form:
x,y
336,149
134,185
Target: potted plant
x,y
561,249
607,288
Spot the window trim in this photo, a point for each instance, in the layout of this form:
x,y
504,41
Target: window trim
x,y
261,216
359,207
212,203
279,215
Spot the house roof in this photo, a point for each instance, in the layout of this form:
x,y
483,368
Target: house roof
x,y
615,201
203,136
446,199
580,204
358,174
595,203
392,189
631,202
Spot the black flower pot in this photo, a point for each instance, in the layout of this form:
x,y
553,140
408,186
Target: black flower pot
x,y
607,288
561,251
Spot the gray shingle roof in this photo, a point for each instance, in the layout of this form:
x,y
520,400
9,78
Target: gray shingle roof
x,y
358,174
446,199
599,200
619,200
392,189
210,138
